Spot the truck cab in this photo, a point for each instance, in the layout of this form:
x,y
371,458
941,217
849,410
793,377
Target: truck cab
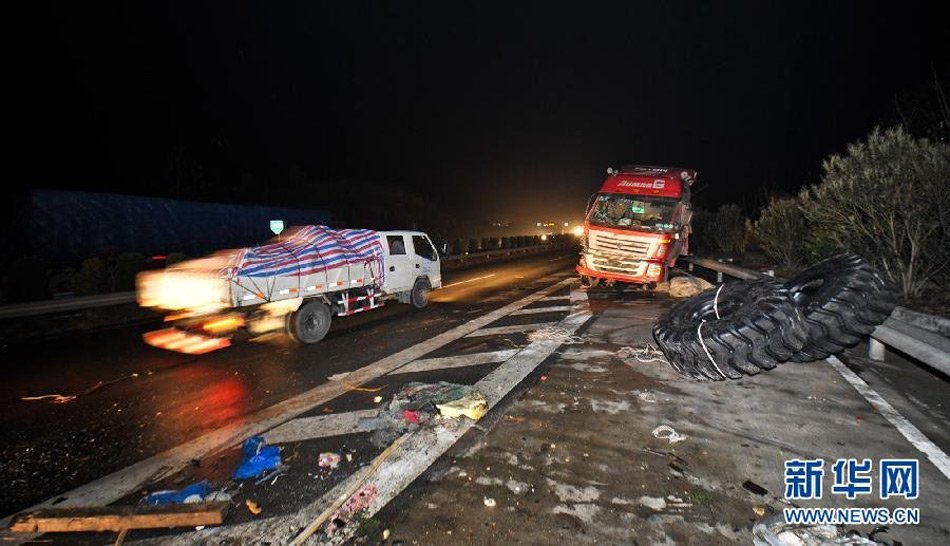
x,y
636,226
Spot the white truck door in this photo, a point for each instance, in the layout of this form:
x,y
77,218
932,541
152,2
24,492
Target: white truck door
x,y
399,266
425,260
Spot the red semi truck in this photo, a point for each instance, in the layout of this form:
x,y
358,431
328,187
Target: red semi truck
x,y
636,225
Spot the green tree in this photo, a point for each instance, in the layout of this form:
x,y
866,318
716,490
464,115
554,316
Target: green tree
x,y
888,199
781,232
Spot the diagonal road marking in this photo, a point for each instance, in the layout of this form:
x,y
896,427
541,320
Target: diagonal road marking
x,y
414,455
539,310
321,426
120,483
516,329
460,361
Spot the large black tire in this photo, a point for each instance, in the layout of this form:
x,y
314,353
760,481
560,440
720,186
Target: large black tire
x,y
842,299
419,297
759,327
310,323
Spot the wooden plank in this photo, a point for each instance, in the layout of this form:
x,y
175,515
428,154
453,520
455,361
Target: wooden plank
x,y
117,518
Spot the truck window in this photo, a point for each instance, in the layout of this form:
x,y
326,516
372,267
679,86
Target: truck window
x,y
641,211
423,247
396,244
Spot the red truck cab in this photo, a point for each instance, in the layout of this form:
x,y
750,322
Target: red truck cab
x,y
636,225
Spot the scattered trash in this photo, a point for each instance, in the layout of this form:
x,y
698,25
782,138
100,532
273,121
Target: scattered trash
x,y
195,492
654,503
759,510
773,531
329,460
377,399
754,487
647,353
489,502
670,434
327,409
275,474
258,458
349,457
354,505
544,378
357,388
253,507
472,406
411,415
557,334
66,398
385,534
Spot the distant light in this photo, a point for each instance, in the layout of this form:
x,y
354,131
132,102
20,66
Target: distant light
x,y
544,237
578,230
566,224
539,224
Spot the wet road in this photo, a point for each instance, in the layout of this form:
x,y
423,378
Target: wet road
x,y
151,400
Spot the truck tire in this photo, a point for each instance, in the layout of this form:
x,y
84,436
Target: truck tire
x,y
842,299
419,296
758,327
310,323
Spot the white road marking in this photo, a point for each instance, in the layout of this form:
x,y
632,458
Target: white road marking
x,y
905,427
559,259
460,361
113,487
556,298
538,310
515,329
450,285
320,426
416,453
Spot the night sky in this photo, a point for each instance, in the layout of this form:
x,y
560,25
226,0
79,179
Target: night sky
x,y
506,111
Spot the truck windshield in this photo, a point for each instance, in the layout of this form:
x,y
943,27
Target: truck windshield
x,y
619,210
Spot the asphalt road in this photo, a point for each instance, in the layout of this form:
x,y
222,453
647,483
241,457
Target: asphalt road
x,y
134,401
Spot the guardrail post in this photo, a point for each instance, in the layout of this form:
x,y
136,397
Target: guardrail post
x,y
876,350
719,277
690,267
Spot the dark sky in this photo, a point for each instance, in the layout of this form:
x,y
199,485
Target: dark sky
x,y
509,110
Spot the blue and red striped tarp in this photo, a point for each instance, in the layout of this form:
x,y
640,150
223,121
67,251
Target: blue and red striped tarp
x,y
306,250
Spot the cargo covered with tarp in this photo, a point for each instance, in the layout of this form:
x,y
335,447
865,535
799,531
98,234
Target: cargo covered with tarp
x,y
304,261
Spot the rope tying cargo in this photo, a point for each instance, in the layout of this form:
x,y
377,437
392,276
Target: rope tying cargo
x,y
560,335
647,353
699,332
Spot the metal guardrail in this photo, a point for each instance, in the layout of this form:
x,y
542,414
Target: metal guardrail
x,y
918,335
72,304
44,307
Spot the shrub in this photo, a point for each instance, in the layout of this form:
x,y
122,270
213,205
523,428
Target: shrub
x,y
888,199
93,277
728,230
473,245
506,242
781,232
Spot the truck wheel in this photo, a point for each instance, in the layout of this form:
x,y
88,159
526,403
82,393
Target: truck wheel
x,y
419,297
758,327
310,323
842,299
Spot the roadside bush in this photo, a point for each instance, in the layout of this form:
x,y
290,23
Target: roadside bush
x,y
473,245
506,242
888,199
781,233
93,277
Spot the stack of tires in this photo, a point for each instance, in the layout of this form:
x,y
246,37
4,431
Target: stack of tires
x,y
749,326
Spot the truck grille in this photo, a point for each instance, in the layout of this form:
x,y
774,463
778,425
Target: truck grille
x,y
604,243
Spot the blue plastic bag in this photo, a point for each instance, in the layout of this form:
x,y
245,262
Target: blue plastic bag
x,y
195,492
258,458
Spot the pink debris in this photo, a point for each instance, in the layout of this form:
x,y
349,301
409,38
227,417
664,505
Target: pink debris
x,y
329,460
411,415
357,503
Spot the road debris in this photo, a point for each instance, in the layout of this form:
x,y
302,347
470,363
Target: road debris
x,y
773,531
119,518
687,286
489,502
753,487
411,416
556,334
666,432
353,506
258,458
66,398
472,406
193,493
377,399
329,459
253,507
645,354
